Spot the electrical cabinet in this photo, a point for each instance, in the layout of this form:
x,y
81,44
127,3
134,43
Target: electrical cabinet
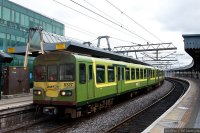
x,y
15,80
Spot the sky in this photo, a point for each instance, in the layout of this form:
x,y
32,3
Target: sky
x,y
167,20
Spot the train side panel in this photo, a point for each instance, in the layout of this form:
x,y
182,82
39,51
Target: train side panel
x,y
104,79
89,87
84,79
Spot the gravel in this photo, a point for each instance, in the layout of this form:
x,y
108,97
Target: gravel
x,y
103,121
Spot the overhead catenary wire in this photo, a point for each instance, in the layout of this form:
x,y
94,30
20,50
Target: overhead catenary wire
x,y
60,37
119,25
92,34
111,18
108,20
115,23
101,11
110,26
82,31
122,40
134,20
123,13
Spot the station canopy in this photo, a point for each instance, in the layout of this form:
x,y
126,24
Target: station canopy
x,y
53,42
192,47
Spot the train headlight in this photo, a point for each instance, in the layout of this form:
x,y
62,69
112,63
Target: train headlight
x,y
66,93
37,92
63,93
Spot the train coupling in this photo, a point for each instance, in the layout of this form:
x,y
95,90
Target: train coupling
x,y
50,110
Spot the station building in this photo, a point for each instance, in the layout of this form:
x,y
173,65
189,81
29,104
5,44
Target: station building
x,y
15,20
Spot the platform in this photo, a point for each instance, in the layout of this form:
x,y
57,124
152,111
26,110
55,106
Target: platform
x,y
15,101
185,113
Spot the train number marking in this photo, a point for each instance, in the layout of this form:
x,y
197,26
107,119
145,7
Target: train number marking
x,y
69,84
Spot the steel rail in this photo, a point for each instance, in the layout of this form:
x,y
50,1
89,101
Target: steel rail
x,y
112,129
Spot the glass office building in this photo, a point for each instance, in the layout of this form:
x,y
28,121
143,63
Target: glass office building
x,y
15,20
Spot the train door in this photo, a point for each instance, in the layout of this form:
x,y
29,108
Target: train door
x,y
148,75
86,86
120,79
82,86
90,83
155,74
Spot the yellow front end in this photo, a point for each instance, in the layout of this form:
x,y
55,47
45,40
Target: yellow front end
x,y
55,93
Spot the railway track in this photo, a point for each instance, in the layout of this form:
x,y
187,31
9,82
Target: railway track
x,y
51,125
74,125
11,118
62,125
141,120
26,125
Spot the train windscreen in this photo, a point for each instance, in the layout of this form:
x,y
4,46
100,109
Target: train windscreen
x,y
40,73
65,72
52,73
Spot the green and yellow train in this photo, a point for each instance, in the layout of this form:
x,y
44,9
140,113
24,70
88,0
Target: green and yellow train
x,y
76,84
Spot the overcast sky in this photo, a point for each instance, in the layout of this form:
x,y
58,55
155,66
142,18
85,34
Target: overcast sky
x,y
166,19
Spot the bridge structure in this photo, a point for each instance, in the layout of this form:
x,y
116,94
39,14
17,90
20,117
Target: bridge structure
x,y
161,55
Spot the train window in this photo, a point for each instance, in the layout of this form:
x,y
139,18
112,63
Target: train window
x,y
82,73
100,77
118,74
149,73
145,73
153,73
141,73
40,73
90,72
137,73
122,73
127,73
67,72
159,73
111,73
52,73
132,73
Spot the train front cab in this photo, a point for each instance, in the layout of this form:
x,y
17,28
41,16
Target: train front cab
x,y
54,81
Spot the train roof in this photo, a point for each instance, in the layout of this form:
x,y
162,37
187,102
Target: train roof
x,y
86,58
100,53
108,61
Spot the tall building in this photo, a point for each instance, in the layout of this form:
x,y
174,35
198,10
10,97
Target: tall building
x,y
15,20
